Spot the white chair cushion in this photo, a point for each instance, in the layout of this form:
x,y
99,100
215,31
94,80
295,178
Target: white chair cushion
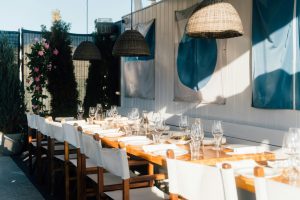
x,y
62,157
89,163
148,193
109,179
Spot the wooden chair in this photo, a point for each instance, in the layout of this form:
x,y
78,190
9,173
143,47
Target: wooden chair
x,y
115,161
195,181
271,190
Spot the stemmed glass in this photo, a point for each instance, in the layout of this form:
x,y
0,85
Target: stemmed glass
x,y
183,123
114,111
99,111
80,112
197,133
217,132
291,147
92,112
159,128
135,115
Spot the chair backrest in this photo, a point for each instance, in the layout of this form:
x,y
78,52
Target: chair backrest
x,y
71,135
266,189
208,182
31,120
115,161
90,147
56,131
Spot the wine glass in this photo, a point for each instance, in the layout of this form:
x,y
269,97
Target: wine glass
x,y
92,112
197,133
80,112
135,115
183,123
99,111
114,111
217,132
291,147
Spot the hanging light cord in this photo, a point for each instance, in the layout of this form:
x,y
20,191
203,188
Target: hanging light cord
x,y
131,15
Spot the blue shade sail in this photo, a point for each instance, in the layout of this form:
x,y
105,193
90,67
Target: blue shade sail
x,y
196,61
272,54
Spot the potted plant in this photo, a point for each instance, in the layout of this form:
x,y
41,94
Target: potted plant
x,y
12,106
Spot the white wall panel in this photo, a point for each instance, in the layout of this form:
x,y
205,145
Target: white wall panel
x,y
237,81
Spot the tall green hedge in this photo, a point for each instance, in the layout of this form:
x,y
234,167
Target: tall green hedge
x,y
12,108
61,79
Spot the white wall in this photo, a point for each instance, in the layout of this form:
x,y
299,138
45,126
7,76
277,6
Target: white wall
x,y
237,81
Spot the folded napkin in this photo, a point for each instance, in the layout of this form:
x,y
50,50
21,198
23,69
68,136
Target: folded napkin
x,y
132,138
247,149
239,164
59,119
159,147
211,141
79,122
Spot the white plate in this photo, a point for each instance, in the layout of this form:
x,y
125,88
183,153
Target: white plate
x,y
176,133
139,142
112,134
249,172
178,152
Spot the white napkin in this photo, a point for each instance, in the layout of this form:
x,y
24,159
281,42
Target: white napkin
x,y
247,150
211,141
79,122
59,119
132,138
239,164
159,147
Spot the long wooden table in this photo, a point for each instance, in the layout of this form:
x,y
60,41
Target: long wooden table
x,y
210,157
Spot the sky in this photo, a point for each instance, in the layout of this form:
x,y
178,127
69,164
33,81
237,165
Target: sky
x,y
31,14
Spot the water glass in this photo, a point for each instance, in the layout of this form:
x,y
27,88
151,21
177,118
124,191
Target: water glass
x,y
183,123
217,132
80,112
195,148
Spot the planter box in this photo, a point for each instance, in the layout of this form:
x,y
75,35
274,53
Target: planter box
x,y
10,144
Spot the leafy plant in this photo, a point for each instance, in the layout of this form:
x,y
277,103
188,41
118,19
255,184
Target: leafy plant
x,y
39,64
12,106
61,80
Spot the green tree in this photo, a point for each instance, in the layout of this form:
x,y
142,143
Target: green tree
x,y
103,77
61,79
12,106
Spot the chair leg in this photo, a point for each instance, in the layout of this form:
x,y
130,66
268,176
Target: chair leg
x,y
30,150
151,172
83,175
39,157
51,165
67,174
78,173
126,189
100,181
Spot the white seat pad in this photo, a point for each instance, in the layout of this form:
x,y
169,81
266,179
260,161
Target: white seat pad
x,y
89,163
109,179
62,157
148,193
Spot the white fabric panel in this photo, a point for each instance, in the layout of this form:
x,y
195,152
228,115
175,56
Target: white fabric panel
x,y
149,193
90,147
205,179
213,91
260,189
89,163
56,131
230,188
41,125
139,76
109,179
31,120
71,135
115,161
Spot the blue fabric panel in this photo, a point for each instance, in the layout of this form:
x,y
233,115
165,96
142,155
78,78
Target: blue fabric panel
x,y
272,56
196,61
297,75
150,39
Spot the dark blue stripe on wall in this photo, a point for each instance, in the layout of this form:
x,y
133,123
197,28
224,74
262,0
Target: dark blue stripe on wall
x,y
297,75
150,39
272,54
196,61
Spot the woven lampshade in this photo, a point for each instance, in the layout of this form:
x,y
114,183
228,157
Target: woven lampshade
x,y
87,51
131,44
215,19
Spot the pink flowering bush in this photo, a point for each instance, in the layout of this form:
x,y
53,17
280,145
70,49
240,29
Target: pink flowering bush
x,y
39,65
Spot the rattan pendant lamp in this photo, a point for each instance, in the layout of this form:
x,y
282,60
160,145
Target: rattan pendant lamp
x,y
215,19
87,50
131,43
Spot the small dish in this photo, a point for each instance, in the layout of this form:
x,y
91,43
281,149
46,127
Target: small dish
x,y
177,152
249,172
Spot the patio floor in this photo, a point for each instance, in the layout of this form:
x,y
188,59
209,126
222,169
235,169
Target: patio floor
x,y
13,182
